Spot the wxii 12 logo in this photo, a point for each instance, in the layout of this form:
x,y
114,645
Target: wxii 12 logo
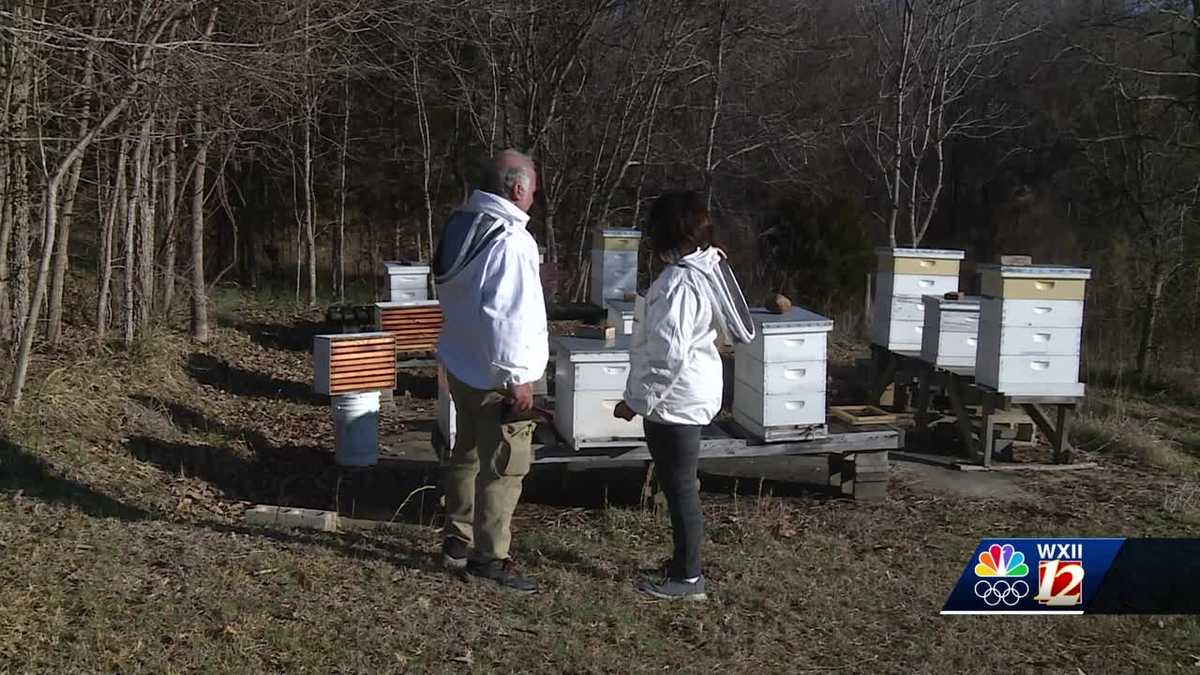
x,y
1060,575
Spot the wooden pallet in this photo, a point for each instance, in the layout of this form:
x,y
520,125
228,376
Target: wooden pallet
x,y
860,415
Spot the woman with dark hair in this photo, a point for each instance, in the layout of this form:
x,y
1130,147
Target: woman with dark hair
x,y
675,378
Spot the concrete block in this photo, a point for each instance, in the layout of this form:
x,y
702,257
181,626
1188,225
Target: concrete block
x,y
268,515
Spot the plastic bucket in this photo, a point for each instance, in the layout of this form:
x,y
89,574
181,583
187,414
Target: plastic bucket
x,y
356,426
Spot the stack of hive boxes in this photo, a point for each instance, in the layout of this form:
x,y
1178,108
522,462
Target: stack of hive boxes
x,y
779,393
1030,329
614,265
904,275
407,283
589,382
951,334
354,362
416,325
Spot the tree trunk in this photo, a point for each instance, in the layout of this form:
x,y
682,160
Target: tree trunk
x,y
132,264
61,261
1149,325
906,26
310,207
715,113
106,242
171,205
18,273
199,326
148,239
340,246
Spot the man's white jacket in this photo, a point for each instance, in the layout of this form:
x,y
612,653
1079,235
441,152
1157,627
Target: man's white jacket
x,y
675,374
486,269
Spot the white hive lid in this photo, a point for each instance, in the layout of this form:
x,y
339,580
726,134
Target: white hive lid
x,y
409,303
397,268
939,253
791,320
621,233
964,303
352,336
577,349
1038,271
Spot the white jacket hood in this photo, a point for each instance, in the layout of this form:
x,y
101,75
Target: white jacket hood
x,y
729,304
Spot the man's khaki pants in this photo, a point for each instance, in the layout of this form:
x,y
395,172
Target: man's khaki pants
x,y
484,470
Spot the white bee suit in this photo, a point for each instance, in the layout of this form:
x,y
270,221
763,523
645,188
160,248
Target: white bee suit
x,y
675,374
490,288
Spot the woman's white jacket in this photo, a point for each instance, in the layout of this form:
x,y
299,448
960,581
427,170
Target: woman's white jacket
x,y
675,374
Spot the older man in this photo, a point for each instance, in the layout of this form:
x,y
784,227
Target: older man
x,y
494,347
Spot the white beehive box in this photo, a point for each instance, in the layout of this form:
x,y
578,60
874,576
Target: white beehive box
x,y
614,265
781,375
902,277
951,334
348,363
620,316
407,283
1030,329
589,382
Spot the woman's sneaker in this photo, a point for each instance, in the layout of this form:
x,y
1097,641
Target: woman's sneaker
x,y
673,589
454,553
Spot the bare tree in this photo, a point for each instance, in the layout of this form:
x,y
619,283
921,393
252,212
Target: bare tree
x,y
930,55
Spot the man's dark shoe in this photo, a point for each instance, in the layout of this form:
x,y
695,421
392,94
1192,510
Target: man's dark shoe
x,y
503,572
673,589
454,553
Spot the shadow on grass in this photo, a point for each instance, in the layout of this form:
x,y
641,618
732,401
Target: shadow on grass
x,y
20,470
231,379
1178,386
296,476
296,337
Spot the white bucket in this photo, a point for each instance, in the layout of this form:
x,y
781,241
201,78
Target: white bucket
x,y
356,423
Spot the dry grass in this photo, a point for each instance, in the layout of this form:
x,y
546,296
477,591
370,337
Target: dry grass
x,y
123,478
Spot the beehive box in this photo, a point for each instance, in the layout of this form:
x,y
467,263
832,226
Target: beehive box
x,y
903,276
614,265
415,325
620,316
589,382
780,376
951,334
1030,329
349,363
406,282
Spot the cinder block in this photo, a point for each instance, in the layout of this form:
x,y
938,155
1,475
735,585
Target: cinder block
x,y
284,516
866,462
870,492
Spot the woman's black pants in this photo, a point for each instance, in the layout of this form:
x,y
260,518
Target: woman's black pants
x,y
676,452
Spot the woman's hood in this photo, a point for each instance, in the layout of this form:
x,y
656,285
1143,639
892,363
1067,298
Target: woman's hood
x,y
725,291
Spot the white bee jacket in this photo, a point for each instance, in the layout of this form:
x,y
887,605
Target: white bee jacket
x,y
494,314
675,374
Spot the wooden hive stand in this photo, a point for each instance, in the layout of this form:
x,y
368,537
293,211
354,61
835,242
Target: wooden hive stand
x,y
348,363
415,326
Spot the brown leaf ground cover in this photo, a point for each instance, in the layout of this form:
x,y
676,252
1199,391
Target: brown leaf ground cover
x,y
122,547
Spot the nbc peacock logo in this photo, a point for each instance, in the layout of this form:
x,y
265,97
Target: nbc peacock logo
x,y
1001,561
1001,568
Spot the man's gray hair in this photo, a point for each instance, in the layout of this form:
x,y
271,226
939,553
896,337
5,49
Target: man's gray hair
x,y
505,171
